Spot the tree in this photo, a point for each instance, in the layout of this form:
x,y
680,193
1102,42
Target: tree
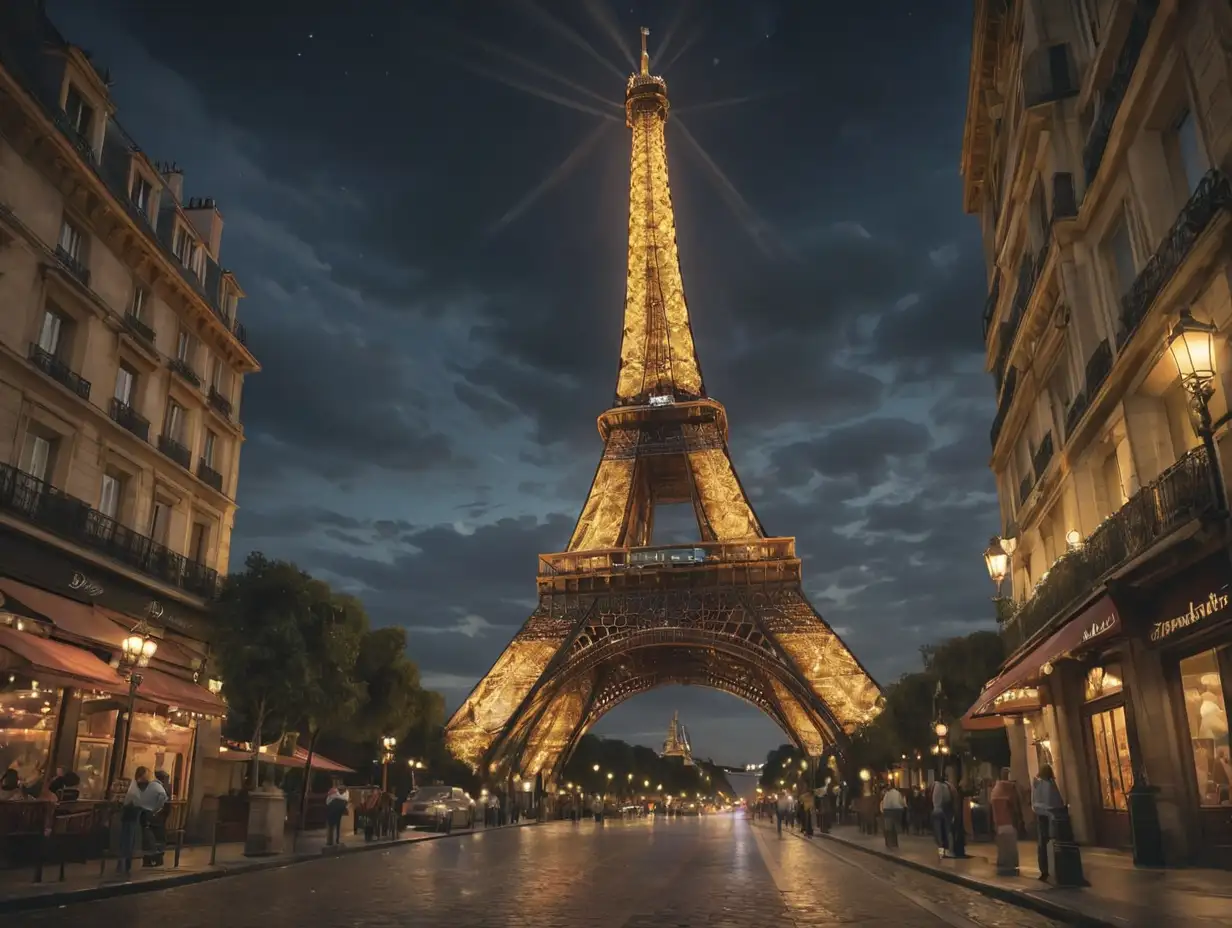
x,y
263,657
393,701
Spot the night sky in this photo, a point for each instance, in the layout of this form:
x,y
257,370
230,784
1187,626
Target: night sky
x,y
437,339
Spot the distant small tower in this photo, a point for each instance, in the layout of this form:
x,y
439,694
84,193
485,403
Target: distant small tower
x,y
677,742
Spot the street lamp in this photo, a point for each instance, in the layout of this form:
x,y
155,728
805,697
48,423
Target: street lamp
x,y
419,765
136,650
1192,346
997,560
388,743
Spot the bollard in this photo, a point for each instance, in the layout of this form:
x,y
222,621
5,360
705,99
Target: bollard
x,y
1063,853
214,843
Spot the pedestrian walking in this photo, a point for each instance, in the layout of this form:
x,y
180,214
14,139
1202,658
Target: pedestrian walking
x,y
783,808
596,807
943,815
806,812
1045,801
892,807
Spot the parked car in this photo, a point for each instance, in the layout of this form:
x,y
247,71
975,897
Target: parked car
x,y
441,808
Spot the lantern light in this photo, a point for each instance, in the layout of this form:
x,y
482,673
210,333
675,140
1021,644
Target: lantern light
x,y
1192,345
997,561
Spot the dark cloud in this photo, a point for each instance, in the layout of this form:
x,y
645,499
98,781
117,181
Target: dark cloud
x,y
861,451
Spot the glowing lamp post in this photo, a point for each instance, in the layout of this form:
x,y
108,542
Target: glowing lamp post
x,y
414,765
1192,346
998,563
136,650
388,743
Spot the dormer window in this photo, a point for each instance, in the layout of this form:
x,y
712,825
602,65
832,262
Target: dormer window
x,y
80,114
140,193
187,250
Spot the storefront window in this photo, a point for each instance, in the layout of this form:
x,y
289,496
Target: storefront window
x,y
95,739
27,724
158,744
1103,681
1111,742
1207,715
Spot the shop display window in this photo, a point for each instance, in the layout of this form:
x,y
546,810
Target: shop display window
x,y
1103,681
28,715
1207,717
1116,773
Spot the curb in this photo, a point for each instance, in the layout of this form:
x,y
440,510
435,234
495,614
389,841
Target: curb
x,y
67,897
1015,897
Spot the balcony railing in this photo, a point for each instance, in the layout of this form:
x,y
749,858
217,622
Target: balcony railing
x,y
174,450
1099,366
1029,271
139,328
184,370
67,517
1003,407
127,418
57,370
73,265
1212,196
1118,85
71,132
209,475
1182,493
584,562
220,402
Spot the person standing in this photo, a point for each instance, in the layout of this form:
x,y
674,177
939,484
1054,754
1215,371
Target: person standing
x,y
1045,800
943,815
892,806
1006,813
783,807
145,797
336,802
596,808
806,812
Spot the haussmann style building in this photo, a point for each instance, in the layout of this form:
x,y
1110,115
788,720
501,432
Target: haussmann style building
x,y
121,363
1096,152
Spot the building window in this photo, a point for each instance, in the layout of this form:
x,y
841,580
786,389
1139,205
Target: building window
x,y
126,384
109,496
183,246
51,333
1207,715
1119,253
140,295
71,239
160,520
141,192
1103,681
173,425
1111,743
207,449
1039,215
200,542
1088,20
1186,162
80,114
184,347
36,456
216,374
1114,486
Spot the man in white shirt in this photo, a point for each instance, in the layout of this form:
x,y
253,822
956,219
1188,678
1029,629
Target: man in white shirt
x,y
142,801
892,807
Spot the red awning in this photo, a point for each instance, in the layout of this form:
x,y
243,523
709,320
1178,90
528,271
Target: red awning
x,y
1100,621
177,693
76,619
61,663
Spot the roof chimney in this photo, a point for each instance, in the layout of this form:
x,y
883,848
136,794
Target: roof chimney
x,y
173,174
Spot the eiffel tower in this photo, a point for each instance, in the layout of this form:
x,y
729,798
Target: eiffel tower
x,y
618,616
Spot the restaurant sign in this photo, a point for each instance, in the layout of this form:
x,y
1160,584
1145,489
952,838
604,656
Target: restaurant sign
x,y
1215,602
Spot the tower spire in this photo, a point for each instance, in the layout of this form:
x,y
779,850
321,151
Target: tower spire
x,y
645,54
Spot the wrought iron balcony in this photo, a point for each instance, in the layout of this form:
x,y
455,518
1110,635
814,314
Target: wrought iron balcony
x,y
1003,407
1182,493
1212,196
67,517
1099,366
57,370
1029,270
73,265
1118,85
174,450
220,402
127,417
185,370
209,475
71,132
139,328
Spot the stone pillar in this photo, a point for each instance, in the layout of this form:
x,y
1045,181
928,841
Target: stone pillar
x,y
64,751
267,822
1064,719
206,741
1157,750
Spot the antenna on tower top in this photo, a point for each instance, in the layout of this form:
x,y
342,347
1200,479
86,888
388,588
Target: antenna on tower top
x,y
645,54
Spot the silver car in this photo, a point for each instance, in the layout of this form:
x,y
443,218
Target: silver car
x,y
441,808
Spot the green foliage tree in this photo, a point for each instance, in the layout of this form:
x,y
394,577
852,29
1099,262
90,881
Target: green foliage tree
x,y
263,656
393,703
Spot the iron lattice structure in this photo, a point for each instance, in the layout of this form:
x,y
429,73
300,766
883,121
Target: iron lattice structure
x,y
616,617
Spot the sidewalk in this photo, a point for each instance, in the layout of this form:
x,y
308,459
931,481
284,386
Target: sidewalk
x,y
82,883
1120,895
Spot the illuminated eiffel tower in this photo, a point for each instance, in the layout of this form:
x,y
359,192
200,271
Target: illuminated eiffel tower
x,y
677,742
618,616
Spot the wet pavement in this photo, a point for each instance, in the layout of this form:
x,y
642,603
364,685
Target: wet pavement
x,y
718,871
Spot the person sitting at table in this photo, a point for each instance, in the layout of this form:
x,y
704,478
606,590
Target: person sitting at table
x,y
10,786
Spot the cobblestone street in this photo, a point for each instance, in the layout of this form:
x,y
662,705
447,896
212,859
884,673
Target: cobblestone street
x,y
716,871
